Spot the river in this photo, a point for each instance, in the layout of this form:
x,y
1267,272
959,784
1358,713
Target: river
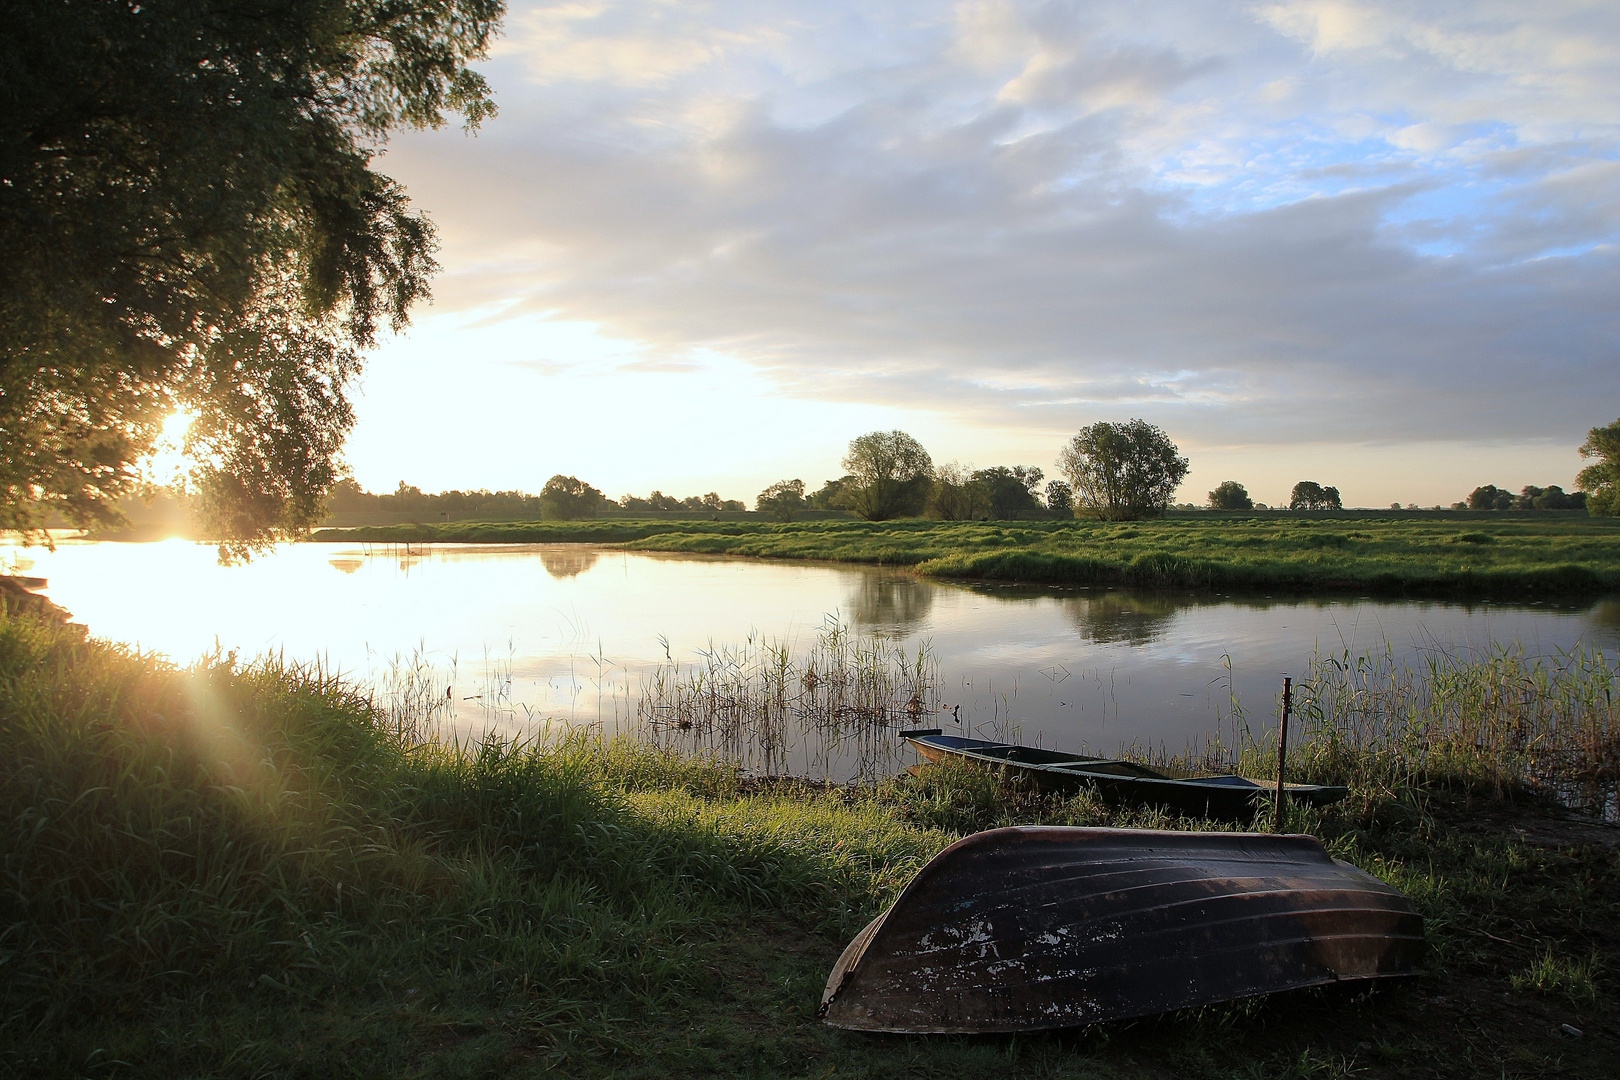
x,y
519,637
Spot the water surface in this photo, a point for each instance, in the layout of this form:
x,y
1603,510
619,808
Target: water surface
x,y
523,635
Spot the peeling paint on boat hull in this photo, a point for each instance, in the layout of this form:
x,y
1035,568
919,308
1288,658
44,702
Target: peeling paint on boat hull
x,y
1029,928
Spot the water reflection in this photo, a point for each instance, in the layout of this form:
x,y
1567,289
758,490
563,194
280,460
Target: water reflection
x,y
566,562
892,605
1606,613
577,630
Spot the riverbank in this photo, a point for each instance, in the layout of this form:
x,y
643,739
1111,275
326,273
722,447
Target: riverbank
x,y
1437,554
258,869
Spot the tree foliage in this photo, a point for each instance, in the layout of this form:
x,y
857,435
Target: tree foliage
x,y
958,495
1230,495
1011,491
783,500
1490,497
1059,498
1122,471
568,498
1601,479
890,475
1309,495
189,221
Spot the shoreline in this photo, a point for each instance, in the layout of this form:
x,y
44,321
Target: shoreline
x,y
1566,558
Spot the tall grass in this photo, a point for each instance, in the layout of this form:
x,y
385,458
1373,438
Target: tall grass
x,y
230,830
1498,723
769,706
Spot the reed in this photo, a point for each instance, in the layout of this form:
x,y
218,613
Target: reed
x,y
774,708
1498,724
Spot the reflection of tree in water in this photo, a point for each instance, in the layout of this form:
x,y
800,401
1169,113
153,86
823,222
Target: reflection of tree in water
x,y
347,564
1119,618
891,604
1605,616
567,562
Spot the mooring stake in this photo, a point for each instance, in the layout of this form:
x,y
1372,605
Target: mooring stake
x,y
1282,753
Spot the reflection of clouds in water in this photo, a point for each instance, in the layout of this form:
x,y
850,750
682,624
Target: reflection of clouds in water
x,y
348,564
891,604
567,562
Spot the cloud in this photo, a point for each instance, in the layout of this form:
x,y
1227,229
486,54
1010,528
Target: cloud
x,y
1301,221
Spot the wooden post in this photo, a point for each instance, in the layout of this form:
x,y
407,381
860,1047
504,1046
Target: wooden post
x,y
1282,754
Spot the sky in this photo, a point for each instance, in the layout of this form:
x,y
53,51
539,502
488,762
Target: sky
x,y
705,244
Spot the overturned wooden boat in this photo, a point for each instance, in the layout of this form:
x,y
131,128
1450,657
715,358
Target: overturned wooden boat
x,y
1029,928
1198,794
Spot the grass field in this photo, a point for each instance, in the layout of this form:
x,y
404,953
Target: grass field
x,y
1435,553
253,869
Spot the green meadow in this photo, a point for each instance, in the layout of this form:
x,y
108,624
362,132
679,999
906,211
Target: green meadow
x,y
245,869
1435,553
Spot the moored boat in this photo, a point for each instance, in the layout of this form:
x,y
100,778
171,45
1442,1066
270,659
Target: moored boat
x,y
1208,795
1031,928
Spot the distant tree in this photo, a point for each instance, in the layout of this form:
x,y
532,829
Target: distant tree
x,y
1490,497
1309,495
830,496
1059,498
891,475
1231,495
1601,480
1122,471
567,498
1552,497
634,502
783,500
733,504
659,501
1011,491
958,495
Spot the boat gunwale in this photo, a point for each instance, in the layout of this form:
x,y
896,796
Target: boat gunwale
x,y
1212,782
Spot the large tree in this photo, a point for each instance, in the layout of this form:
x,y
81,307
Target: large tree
x,y
1122,472
1601,479
568,498
1309,495
1230,495
784,499
1011,490
890,475
957,494
189,221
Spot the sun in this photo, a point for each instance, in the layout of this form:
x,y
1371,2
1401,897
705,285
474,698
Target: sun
x,y
167,464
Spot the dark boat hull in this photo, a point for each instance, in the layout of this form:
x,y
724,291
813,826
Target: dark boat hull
x,y
1032,928
1228,797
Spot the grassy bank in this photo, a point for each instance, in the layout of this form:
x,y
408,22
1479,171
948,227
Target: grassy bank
x,y
254,869
1435,554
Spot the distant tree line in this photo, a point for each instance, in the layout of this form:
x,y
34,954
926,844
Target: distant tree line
x,y
1553,497
1114,471
563,498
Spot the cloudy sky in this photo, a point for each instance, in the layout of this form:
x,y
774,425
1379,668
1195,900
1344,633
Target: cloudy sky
x,y
705,244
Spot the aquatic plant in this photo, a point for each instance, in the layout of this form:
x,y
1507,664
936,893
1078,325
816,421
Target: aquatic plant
x,y
771,706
